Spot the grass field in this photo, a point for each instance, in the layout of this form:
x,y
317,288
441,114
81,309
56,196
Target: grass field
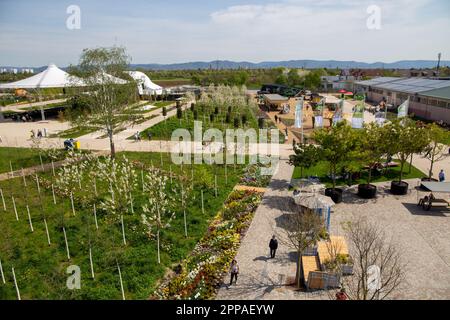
x,y
41,268
20,158
321,170
74,132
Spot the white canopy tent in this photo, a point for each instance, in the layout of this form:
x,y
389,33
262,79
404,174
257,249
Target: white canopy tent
x,y
145,85
52,77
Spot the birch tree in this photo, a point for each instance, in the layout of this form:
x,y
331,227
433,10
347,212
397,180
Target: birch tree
x,y
110,97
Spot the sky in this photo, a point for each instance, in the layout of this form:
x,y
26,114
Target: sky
x,y
35,33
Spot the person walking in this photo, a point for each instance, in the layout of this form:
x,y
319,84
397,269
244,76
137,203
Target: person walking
x,y
149,135
273,245
234,271
441,176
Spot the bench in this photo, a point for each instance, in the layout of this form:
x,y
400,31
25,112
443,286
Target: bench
x,y
428,202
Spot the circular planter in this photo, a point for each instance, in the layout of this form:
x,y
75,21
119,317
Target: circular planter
x,y
399,188
367,191
334,194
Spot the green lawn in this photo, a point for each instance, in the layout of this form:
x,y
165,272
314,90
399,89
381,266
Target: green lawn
x,y
41,269
321,170
75,132
162,103
20,158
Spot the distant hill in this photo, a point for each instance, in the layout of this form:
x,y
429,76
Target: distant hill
x,y
308,64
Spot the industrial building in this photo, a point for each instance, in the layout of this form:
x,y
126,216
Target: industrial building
x,y
429,98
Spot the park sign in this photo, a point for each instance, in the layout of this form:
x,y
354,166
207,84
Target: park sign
x,y
318,117
337,117
358,114
403,109
299,113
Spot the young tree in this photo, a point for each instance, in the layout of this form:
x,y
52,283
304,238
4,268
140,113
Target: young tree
x,y
337,145
306,156
109,97
303,230
404,138
434,151
378,270
158,213
121,179
371,147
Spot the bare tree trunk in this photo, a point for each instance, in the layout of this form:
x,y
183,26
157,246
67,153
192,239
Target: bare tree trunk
x,y
410,163
430,173
111,144
299,274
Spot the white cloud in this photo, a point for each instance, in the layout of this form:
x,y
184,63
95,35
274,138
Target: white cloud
x,y
327,29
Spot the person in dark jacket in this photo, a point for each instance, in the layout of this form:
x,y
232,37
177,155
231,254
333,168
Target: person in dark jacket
x,y
273,245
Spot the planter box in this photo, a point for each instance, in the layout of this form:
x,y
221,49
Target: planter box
x,y
334,194
347,269
399,188
367,191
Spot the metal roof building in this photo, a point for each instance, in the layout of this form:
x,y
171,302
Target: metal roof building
x,y
429,98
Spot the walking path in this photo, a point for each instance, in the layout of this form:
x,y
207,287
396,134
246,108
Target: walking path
x,y
23,107
261,277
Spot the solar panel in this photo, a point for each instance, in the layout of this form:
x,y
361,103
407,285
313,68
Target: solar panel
x,y
407,85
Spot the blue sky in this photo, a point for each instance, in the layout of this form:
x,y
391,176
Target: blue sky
x,y
34,33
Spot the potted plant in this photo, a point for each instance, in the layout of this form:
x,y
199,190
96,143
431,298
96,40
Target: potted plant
x,y
337,145
370,152
403,138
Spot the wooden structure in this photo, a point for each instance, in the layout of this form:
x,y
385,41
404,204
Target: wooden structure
x,y
314,270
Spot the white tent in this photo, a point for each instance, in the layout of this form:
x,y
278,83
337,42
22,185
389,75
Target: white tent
x,y
52,77
145,85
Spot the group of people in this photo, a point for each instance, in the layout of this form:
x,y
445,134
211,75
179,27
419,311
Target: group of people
x,y
137,136
38,134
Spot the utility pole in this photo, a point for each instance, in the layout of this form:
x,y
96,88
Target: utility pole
x,y
438,64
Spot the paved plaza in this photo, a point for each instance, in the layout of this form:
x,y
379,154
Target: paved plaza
x,y
422,237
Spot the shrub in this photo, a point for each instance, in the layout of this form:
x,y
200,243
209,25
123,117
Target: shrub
x,y
179,113
261,123
192,107
244,119
236,122
211,117
195,115
228,118
216,110
164,111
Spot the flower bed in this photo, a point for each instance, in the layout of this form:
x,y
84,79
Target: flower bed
x,y
253,178
201,273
